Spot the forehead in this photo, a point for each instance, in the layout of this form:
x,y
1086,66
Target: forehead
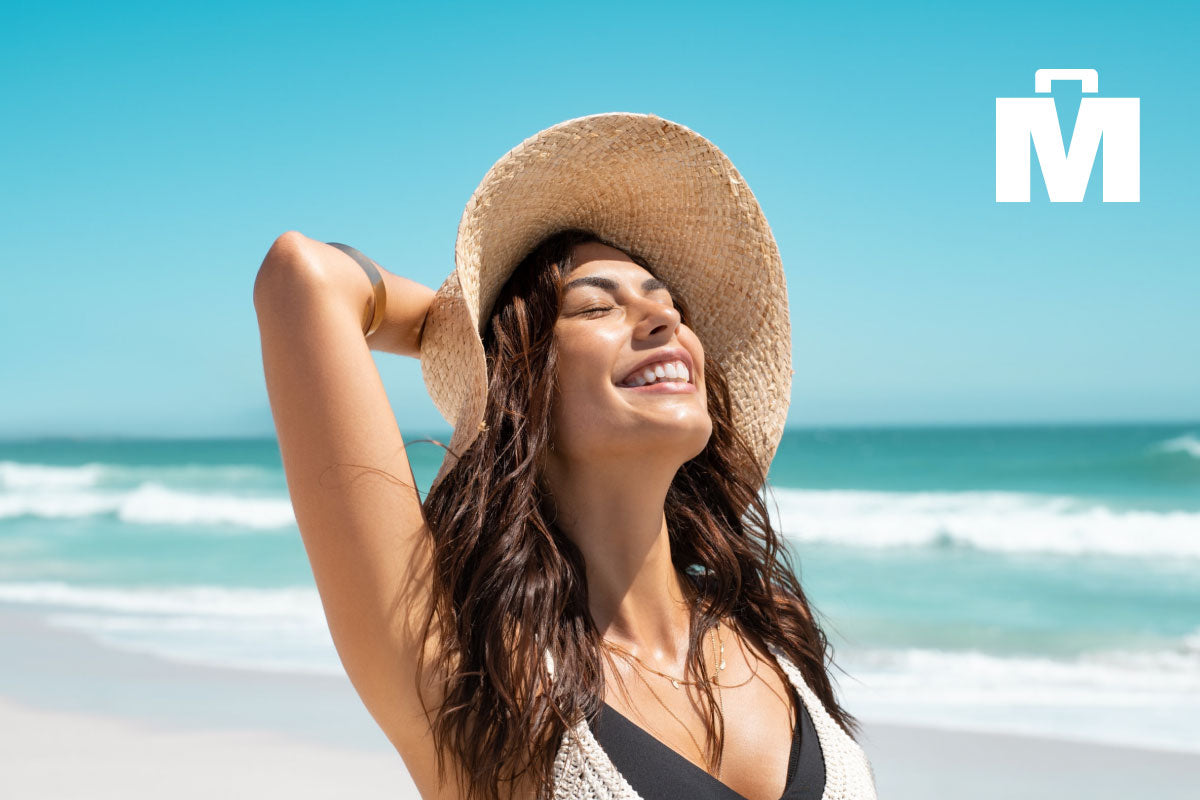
x,y
604,267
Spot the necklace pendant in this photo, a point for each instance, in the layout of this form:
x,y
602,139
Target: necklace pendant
x,y
722,665
675,683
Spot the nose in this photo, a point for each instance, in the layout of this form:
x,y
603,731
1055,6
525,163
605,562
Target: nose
x,y
657,318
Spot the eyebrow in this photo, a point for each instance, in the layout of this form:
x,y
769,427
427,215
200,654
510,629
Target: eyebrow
x,y
648,285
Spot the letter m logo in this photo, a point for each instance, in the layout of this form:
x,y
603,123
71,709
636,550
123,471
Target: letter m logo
x,y
1066,171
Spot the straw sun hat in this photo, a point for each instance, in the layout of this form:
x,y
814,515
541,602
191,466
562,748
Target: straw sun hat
x,y
649,186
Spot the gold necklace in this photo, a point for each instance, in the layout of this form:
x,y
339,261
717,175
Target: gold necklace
x,y
718,660
683,725
677,682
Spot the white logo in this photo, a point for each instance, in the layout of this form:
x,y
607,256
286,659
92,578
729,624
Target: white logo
x,y
1066,171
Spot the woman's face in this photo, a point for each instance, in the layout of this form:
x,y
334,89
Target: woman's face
x,y
614,317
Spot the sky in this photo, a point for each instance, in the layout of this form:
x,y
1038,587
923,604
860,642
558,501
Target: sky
x,y
150,153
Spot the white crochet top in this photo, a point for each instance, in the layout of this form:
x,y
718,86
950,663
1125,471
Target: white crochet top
x,y
583,771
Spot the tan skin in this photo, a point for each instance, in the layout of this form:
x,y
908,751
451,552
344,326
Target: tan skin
x,y
614,455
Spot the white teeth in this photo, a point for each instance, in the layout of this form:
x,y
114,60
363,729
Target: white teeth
x,y
673,370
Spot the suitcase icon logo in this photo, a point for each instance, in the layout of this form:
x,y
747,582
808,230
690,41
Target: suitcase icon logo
x,y
1066,170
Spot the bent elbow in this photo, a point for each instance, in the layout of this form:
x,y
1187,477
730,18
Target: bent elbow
x,y
290,256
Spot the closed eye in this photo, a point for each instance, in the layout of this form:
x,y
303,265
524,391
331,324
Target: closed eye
x,y
596,308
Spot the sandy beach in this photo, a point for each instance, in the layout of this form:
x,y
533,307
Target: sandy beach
x,y
78,720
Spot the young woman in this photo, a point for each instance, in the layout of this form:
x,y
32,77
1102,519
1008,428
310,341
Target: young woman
x,y
590,601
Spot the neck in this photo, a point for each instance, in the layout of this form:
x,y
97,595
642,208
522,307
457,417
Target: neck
x,y
635,595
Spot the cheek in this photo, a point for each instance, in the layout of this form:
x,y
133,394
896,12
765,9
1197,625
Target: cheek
x,y
586,358
581,392
585,391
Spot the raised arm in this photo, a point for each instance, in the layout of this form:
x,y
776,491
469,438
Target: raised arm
x,y
348,475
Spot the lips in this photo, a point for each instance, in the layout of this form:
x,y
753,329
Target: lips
x,y
662,387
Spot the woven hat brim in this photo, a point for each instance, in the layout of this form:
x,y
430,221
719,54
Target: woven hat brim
x,y
652,187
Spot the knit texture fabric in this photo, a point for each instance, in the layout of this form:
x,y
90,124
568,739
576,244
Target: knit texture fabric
x,y
583,771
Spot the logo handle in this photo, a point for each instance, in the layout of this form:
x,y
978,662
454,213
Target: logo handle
x,y
1044,77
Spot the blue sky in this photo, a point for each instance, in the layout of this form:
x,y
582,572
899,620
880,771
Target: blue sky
x,y
152,152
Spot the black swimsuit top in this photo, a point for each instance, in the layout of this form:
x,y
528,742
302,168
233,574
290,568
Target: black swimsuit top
x,y
657,772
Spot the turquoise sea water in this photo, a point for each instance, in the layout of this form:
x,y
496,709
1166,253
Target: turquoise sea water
x,y
1026,579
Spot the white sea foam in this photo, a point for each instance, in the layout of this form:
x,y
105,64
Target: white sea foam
x,y
991,520
1187,443
149,503
214,601
154,504
1148,699
22,475
15,475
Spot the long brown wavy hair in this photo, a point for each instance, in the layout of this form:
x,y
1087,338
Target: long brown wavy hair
x,y
508,584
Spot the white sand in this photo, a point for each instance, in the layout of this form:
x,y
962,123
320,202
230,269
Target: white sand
x,y
56,754
78,720
928,763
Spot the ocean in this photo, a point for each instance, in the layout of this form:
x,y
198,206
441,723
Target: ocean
x,y
1027,579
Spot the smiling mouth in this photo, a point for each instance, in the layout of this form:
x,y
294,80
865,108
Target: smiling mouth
x,y
675,371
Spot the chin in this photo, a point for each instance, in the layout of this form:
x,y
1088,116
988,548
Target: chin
x,y
689,438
